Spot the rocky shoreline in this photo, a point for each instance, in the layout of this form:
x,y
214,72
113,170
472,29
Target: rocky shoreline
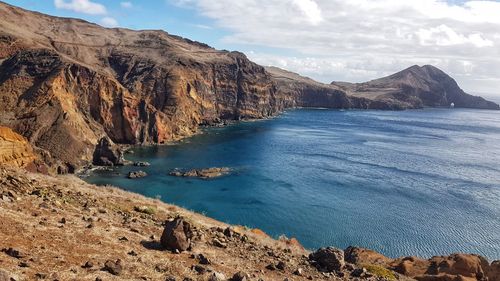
x,y
61,228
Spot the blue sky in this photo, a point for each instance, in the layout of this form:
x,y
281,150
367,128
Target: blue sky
x,y
328,40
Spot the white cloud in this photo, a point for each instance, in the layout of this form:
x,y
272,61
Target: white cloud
x,y
109,22
126,5
81,6
310,10
361,39
445,36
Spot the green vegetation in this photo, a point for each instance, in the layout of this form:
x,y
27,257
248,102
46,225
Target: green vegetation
x,y
145,210
380,271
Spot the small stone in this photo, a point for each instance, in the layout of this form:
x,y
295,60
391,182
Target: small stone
x,y
299,271
40,275
216,276
200,269
14,253
228,232
123,238
281,265
358,272
113,267
271,266
219,244
24,264
170,278
132,253
203,259
63,221
240,276
88,264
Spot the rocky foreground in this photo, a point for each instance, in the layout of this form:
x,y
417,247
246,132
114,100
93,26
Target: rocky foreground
x,y
60,228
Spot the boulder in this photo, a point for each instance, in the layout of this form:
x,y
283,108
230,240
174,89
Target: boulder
x,y
328,259
136,174
107,153
177,235
113,267
240,276
494,271
356,255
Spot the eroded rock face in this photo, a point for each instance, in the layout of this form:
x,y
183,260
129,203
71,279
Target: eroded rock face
x,y
107,154
177,235
15,150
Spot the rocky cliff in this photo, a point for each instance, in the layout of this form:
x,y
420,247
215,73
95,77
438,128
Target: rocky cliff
x,y
70,87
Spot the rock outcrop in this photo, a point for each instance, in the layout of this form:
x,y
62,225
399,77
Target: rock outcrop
x,y
15,150
208,173
72,88
438,268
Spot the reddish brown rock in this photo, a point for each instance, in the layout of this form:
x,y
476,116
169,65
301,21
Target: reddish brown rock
x,y
177,235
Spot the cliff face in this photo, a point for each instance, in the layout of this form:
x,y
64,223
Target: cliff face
x,y
417,87
15,150
68,85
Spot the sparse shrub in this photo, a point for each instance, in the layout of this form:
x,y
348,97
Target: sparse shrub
x,y
145,210
380,271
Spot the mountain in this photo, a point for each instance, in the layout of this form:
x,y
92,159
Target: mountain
x,y
417,86
75,89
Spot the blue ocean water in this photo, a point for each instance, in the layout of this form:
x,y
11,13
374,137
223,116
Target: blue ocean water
x,y
421,182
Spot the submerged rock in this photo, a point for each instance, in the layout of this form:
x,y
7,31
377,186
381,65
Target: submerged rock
x,y
207,173
136,174
177,235
142,164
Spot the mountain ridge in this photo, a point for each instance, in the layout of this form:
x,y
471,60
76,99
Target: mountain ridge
x,y
68,86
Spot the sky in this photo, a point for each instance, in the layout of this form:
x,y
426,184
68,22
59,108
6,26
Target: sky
x,y
327,40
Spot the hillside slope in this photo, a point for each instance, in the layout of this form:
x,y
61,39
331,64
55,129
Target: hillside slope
x,y
420,86
61,228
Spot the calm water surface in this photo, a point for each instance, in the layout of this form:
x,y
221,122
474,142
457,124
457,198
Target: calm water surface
x,y
423,182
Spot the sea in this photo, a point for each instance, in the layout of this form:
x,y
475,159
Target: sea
x,y
417,182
